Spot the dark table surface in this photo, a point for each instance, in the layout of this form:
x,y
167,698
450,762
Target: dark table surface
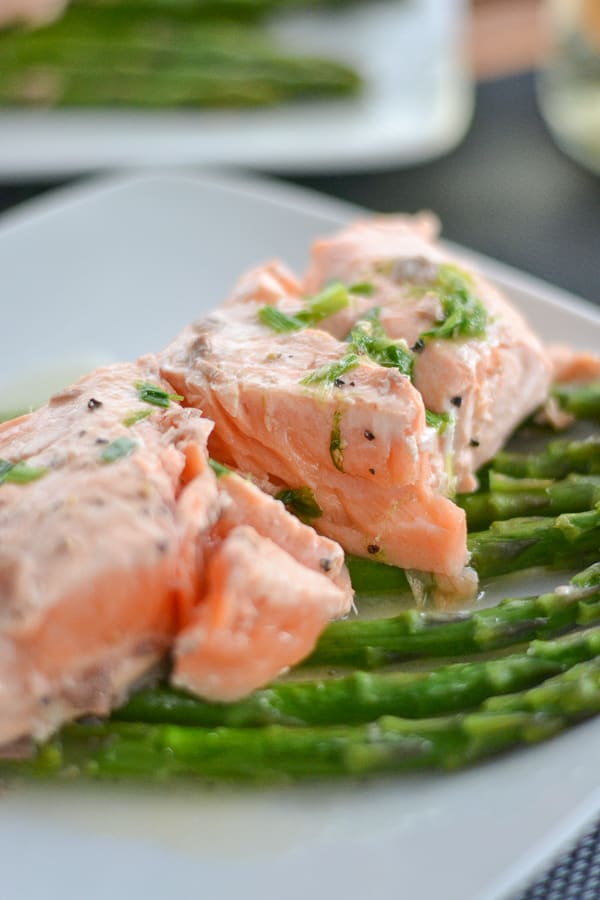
x,y
509,192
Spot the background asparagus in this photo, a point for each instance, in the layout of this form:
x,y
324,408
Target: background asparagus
x,y
236,9
125,57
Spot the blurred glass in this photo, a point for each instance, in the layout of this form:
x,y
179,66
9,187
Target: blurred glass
x,y
569,82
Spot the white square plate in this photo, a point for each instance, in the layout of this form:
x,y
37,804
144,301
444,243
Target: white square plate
x,y
416,105
114,268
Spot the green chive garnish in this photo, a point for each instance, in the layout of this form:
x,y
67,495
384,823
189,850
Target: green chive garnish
x,y
464,313
329,301
440,421
120,448
363,289
20,472
134,417
301,502
335,442
368,337
154,394
328,375
218,468
278,321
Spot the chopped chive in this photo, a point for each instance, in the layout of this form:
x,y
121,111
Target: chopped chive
x,y
368,337
279,321
335,442
134,417
439,421
20,472
302,503
218,468
5,468
118,449
329,301
328,375
154,394
363,289
464,313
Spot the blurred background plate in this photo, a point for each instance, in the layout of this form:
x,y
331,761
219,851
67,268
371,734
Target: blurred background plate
x,y
417,104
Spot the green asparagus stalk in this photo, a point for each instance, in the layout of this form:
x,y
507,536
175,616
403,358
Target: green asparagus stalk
x,y
415,634
235,9
509,497
141,61
581,400
364,697
558,460
158,752
519,544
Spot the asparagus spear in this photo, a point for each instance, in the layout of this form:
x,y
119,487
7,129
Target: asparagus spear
x,y
419,634
275,753
509,497
363,697
235,9
559,459
519,544
140,60
581,400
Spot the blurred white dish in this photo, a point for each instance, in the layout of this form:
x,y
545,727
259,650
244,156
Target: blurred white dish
x,y
417,105
115,268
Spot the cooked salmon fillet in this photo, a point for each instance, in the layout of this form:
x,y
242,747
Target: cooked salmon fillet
x,y
488,382
97,545
360,445
115,536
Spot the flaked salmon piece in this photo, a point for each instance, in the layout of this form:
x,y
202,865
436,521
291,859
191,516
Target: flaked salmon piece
x,y
262,612
98,544
360,445
243,503
270,585
487,383
571,366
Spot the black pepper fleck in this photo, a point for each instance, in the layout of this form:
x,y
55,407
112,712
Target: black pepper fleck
x,y
352,384
101,441
373,548
94,404
325,564
418,346
162,546
369,435
456,401
339,382
82,433
372,471
474,442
